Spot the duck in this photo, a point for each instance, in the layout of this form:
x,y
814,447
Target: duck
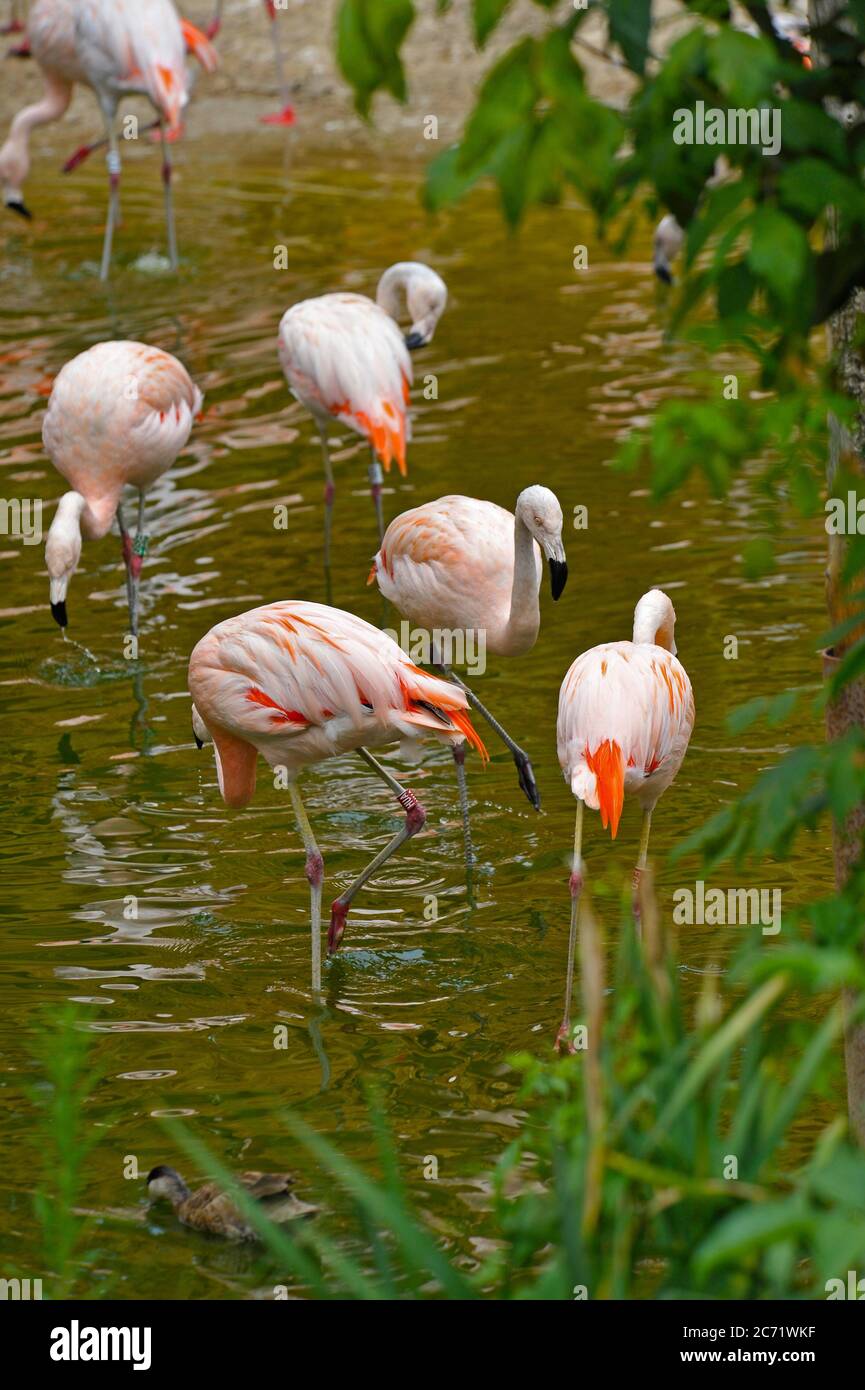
x,y
212,1211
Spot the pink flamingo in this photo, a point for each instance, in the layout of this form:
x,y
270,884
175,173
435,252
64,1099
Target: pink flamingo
x,y
115,47
285,115
626,713
118,415
14,25
462,568
300,683
344,357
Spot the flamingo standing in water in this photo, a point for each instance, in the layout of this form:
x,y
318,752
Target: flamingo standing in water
x,y
285,114
344,357
118,415
626,713
115,47
300,683
460,566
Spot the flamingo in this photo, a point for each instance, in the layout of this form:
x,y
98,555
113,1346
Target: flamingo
x,y
285,114
118,415
669,238
626,713
344,357
466,566
300,683
115,47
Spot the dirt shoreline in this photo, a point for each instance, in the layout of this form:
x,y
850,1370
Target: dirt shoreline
x,y
443,67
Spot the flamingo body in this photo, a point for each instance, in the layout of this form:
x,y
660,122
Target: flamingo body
x,y
626,712
301,682
450,564
344,358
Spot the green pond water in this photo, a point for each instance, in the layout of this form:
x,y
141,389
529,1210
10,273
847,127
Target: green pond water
x,y
541,371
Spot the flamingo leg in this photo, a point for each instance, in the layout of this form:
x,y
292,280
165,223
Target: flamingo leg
x,y
521,758
136,561
285,114
169,197
315,875
114,167
459,756
215,24
642,857
329,494
415,819
376,481
563,1040
126,546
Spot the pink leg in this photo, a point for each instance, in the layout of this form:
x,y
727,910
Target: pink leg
x,y
315,875
415,819
285,115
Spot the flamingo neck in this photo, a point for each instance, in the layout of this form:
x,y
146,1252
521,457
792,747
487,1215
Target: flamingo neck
x,y
392,285
524,618
15,154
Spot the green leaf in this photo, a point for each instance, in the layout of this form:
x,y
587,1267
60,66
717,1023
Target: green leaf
x,y
370,34
630,22
779,252
486,15
751,1229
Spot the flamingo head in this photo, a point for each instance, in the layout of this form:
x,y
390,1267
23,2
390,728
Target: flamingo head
x,y
62,553
200,731
426,297
539,511
655,620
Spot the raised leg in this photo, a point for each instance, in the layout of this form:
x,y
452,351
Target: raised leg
x,y
459,754
524,768
285,114
376,481
415,819
169,197
329,494
563,1040
315,874
114,167
640,867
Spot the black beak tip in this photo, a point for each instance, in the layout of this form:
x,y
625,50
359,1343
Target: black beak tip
x,y
199,743
414,341
663,274
558,578
59,614
21,208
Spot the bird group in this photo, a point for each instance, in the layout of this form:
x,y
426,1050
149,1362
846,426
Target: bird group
x,y
299,682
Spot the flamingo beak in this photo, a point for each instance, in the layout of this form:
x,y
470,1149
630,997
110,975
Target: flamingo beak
x,y
415,340
59,614
18,205
199,743
558,577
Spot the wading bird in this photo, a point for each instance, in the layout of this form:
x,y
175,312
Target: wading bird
x,y
212,1211
115,47
118,416
285,114
300,683
666,247
345,358
626,712
472,569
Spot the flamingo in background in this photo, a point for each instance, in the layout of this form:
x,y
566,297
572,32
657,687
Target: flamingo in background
x,y
300,683
285,115
626,713
118,415
115,47
470,567
15,26
344,357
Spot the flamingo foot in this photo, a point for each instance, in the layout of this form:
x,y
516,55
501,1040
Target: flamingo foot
x,y
284,117
527,779
564,1045
21,51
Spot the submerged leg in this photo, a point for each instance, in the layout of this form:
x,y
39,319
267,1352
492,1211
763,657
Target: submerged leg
x,y
459,754
137,552
563,1040
315,874
415,819
524,767
169,198
640,867
376,480
114,167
